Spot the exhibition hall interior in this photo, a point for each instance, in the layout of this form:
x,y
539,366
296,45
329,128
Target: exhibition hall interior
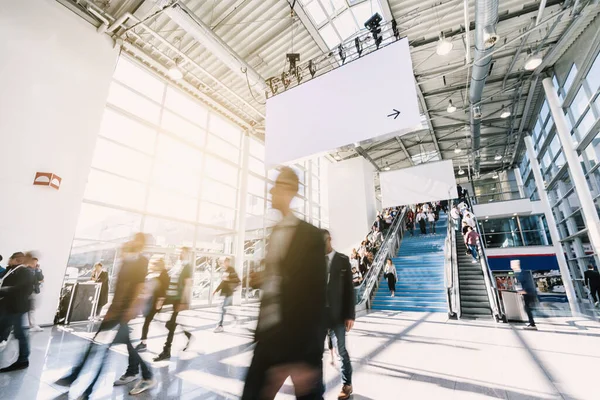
x,y
300,199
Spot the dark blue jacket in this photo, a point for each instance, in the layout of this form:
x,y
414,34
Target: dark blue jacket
x,y
340,291
526,281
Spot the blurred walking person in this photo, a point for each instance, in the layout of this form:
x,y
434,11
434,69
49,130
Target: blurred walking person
x,y
126,304
230,282
422,221
528,291
16,287
391,275
157,289
179,294
592,281
291,330
340,314
100,276
431,220
38,279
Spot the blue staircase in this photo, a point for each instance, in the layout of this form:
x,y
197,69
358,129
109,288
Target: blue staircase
x,y
420,268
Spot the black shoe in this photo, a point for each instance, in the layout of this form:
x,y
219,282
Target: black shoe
x,y
190,338
141,347
16,366
66,380
162,356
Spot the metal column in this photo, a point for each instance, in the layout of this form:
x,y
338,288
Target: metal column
x,y
241,215
560,255
588,209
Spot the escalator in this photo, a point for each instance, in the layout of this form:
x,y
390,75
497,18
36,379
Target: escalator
x,y
474,300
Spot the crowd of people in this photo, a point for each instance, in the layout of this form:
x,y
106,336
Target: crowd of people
x,y
362,259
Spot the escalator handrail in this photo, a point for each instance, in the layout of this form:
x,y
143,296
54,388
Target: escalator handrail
x,y
372,276
451,270
490,282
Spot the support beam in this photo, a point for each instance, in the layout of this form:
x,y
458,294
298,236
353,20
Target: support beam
x,y
366,155
403,147
428,117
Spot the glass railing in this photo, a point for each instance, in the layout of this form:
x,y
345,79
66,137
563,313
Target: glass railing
x,y
388,249
497,191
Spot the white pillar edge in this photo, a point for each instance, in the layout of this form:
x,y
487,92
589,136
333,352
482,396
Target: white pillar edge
x,y
241,217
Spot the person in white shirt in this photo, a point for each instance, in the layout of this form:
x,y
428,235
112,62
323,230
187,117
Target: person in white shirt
x,y
431,219
468,218
462,206
422,220
455,216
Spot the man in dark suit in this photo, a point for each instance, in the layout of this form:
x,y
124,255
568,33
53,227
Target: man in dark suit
x,y
290,332
592,281
340,311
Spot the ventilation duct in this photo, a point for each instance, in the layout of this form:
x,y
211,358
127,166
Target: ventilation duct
x,y
486,18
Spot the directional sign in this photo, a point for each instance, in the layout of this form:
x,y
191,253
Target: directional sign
x,y
394,114
372,96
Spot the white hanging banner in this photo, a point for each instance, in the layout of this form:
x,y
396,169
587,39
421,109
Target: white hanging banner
x,y
372,96
426,182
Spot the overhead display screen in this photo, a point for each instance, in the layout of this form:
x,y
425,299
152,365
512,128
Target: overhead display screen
x,y
427,182
372,96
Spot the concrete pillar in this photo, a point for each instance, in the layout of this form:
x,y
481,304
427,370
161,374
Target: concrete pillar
x,y
560,254
241,215
56,73
588,209
520,184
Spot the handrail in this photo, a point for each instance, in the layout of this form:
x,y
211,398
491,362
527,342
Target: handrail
x,y
490,282
390,244
451,271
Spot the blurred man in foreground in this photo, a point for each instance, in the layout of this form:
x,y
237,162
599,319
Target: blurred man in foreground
x,y
290,331
15,288
126,304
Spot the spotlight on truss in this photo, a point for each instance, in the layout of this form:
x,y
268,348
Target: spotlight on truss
x,y
342,53
292,58
312,68
358,46
373,24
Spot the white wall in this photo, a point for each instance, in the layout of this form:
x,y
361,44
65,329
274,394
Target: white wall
x,y
54,78
507,208
524,250
352,203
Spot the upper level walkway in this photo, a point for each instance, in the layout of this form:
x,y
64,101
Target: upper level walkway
x,y
396,355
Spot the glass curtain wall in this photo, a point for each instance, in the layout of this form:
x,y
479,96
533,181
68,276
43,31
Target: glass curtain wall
x,y
515,231
580,94
166,165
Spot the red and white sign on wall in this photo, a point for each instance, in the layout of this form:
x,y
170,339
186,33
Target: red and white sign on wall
x,y
47,179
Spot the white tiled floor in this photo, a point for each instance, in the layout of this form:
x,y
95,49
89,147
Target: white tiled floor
x,y
395,356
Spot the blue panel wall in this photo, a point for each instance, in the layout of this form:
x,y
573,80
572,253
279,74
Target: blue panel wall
x,y
528,262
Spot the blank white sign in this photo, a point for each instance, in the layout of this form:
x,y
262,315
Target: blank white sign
x,y
369,97
427,182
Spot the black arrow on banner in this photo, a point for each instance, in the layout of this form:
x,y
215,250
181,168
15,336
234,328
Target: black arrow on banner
x,y
394,114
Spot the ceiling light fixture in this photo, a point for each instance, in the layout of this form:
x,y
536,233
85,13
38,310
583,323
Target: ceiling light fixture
x,y
451,108
533,61
387,167
505,112
457,150
175,73
337,157
495,176
461,171
444,46
498,157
